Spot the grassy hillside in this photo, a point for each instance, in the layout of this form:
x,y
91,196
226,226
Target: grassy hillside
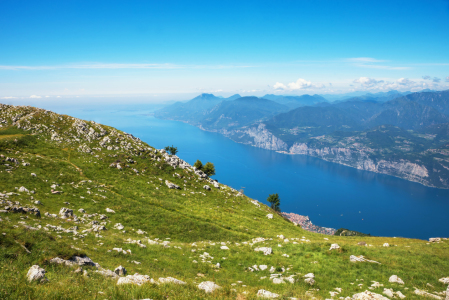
x,y
107,177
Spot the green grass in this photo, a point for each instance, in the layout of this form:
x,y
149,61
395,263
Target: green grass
x,y
144,202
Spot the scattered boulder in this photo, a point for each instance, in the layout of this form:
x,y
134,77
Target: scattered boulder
x,y
265,250
121,271
104,272
395,279
224,248
206,187
75,260
216,185
23,190
360,258
171,185
386,245
119,226
208,286
270,216
81,210
171,280
266,294
135,279
444,280
110,211
334,246
310,281
426,294
432,240
367,295
36,273
66,212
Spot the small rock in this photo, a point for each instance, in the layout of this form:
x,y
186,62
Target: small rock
x,y
135,279
367,295
23,189
386,245
432,240
270,216
224,248
110,211
121,271
265,250
266,294
171,280
395,279
208,286
206,187
334,246
310,281
36,273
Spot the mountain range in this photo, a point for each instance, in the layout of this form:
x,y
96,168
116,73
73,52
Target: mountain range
x,y
400,134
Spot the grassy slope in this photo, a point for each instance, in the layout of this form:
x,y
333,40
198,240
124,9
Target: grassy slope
x,y
144,202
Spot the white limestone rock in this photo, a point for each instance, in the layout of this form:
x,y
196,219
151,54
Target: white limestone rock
x,y
224,248
22,189
266,294
310,281
121,271
171,280
432,240
119,226
208,286
265,250
135,279
270,216
334,247
444,280
395,279
36,273
110,211
65,213
367,295
426,294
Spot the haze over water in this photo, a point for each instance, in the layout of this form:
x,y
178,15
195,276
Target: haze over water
x,y
332,195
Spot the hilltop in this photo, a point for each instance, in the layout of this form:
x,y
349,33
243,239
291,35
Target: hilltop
x,y
85,202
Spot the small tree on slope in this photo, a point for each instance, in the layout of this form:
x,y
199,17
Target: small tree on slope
x,y
275,202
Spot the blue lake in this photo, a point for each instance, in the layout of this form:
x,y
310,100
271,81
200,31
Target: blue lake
x,y
332,195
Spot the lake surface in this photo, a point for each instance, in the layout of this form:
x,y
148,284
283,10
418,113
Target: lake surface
x,y
332,195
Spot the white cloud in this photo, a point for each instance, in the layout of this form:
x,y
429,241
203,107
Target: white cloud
x,y
427,77
405,81
279,86
300,84
447,79
436,79
35,97
9,97
58,96
367,82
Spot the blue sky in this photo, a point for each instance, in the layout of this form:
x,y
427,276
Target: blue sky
x,y
166,50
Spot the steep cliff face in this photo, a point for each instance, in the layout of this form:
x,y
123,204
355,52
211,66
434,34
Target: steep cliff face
x,y
356,156
257,136
361,160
